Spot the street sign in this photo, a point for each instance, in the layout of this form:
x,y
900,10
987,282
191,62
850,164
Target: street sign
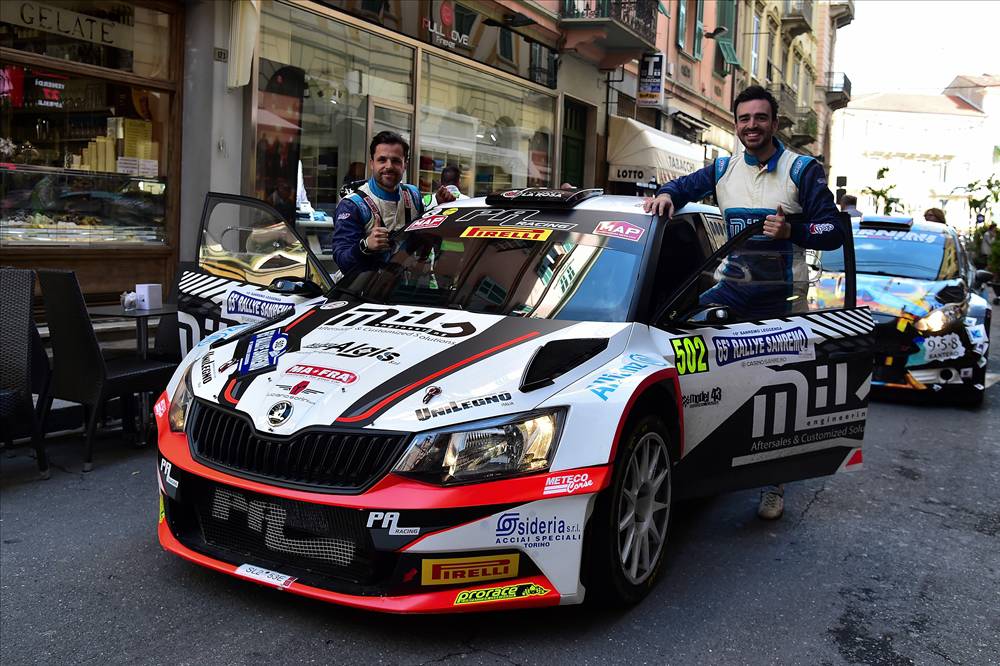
x,y
650,80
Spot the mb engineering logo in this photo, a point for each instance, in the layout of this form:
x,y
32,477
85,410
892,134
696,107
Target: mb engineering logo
x,y
784,343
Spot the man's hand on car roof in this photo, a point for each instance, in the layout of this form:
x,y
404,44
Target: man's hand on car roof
x,y
661,205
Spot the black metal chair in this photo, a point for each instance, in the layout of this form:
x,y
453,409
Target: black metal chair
x,y
80,372
167,342
21,358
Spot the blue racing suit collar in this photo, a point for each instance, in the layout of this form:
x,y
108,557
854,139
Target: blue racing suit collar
x,y
380,193
772,163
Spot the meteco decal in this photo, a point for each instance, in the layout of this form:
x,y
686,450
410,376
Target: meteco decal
x,y
504,593
468,569
534,532
417,321
319,372
506,233
567,484
791,342
354,350
244,304
497,398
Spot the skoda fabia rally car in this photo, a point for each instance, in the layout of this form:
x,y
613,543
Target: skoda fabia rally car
x,y
502,413
931,327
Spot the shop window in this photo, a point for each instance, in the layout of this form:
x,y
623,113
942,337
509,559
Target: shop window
x,y
111,34
755,49
316,79
82,159
498,133
681,23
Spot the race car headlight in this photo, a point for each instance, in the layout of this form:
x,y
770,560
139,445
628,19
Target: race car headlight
x,y
478,452
940,319
180,402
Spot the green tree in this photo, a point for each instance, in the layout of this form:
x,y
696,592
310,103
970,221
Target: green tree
x,y
983,195
883,195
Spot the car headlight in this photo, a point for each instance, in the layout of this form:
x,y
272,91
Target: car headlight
x,y
522,444
940,319
180,401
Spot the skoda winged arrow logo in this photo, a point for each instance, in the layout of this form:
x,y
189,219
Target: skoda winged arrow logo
x,y
279,413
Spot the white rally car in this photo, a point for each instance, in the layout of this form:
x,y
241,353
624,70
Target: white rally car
x,y
502,411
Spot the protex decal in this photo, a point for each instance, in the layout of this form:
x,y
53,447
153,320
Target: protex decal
x,y
608,382
389,521
690,354
512,218
254,306
468,569
264,350
508,233
496,399
319,372
504,593
779,346
533,531
420,322
619,229
567,484
354,350
706,398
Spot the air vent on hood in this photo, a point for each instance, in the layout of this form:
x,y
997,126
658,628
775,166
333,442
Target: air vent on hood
x,y
557,358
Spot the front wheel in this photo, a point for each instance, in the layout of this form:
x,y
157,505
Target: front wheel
x,y
632,517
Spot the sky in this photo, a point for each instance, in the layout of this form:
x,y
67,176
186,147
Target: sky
x,y
918,46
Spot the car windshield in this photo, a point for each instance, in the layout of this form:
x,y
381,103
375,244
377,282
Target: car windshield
x,y
908,254
518,270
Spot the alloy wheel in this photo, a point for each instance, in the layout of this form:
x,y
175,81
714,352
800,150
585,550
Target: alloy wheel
x,y
644,508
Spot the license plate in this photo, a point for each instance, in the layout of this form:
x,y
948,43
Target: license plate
x,y
265,575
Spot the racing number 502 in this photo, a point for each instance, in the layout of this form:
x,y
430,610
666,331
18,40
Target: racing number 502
x,y
691,355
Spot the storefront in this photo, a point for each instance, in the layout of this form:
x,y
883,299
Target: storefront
x,y
89,131
462,90
640,158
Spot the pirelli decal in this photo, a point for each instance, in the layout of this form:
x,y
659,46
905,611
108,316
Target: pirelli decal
x,y
468,569
511,233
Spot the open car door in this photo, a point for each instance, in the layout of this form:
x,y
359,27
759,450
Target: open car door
x,y
251,266
775,388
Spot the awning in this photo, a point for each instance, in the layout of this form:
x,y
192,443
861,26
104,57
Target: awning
x,y
639,153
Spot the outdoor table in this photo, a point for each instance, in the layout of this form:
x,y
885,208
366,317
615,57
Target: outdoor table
x,y
141,318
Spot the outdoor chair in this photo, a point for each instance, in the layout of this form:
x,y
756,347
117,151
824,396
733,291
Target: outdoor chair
x,y
80,372
21,359
167,341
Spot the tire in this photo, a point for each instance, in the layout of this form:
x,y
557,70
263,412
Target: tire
x,y
624,562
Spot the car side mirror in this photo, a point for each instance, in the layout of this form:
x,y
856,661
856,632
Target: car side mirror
x,y
294,287
713,314
982,277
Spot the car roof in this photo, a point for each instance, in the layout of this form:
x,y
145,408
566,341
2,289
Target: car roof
x,y
918,226
609,203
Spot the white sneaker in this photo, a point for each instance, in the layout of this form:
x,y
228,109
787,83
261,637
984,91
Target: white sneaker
x,y
772,503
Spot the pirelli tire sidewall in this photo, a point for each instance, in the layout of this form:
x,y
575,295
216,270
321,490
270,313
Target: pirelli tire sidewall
x,y
603,576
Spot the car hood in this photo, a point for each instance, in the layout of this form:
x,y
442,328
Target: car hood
x,y
889,295
399,368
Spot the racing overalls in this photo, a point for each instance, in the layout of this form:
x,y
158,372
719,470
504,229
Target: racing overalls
x,y
765,277
359,212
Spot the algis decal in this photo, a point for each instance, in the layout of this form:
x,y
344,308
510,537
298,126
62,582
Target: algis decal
x,y
389,521
505,593
691,355
567,484
608,382
417,321
792,342
354,350
704,398
320,372
468,569
497,398
508,233
534,532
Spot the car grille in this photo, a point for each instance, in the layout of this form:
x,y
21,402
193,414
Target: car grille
x,y
320,459
242,526
890,341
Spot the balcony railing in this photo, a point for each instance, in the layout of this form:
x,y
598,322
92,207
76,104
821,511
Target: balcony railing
x,y
797,17
787,103
805,128
637,16
838,90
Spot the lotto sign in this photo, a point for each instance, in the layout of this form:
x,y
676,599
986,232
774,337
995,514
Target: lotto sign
x,y
506,233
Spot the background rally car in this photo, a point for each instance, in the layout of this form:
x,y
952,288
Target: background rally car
x,y
500,415
932,328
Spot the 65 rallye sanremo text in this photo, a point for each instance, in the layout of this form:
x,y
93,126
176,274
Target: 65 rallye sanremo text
x,y
500,415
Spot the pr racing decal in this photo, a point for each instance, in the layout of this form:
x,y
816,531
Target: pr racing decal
x,y
619,229
608,382
691,354
389,521
497,398
319,372
534,532
505,593
783,345
510,233
468,569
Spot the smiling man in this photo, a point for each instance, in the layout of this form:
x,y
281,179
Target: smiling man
x,y
763,183
384,205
